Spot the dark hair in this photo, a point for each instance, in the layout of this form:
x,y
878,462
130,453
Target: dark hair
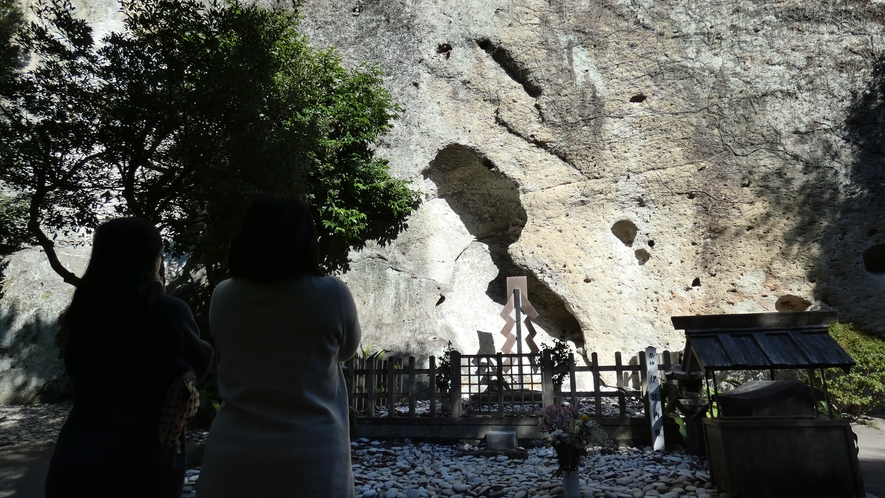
x,y
115,289
277,242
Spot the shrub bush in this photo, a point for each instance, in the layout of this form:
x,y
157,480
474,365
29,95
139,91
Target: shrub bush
x,y
863,389
559,352
443,377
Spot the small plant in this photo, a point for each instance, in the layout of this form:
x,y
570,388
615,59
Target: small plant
x,y
443,370
673,408
682,411
713,409
821,408
570,435
559,355
366,353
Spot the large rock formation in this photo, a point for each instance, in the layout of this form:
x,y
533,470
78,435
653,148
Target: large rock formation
x,y
634,159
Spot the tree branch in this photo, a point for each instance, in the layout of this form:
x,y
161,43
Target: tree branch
x,y
44,241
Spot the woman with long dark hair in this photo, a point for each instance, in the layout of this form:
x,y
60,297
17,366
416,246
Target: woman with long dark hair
x,y
126,343
281,329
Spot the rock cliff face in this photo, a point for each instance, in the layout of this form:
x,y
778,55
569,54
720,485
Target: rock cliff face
x,y
34,297
634,159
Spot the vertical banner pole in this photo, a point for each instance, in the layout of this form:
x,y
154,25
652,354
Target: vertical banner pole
x,y
517,303
656,412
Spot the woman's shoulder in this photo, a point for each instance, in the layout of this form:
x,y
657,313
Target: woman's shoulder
x,y
225,286
234,286
329,283
229,291
330,280
172,306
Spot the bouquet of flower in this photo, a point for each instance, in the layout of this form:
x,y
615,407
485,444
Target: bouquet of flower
x,y
568,433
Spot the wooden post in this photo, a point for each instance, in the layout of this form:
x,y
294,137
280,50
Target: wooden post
x,y
810,373
370,387
643,373
517,305
412,386
546,379
391,387
347,368
573,381
715,393
823,380
432,386
500,381
621,384
455,387
360,381
597,384
709,397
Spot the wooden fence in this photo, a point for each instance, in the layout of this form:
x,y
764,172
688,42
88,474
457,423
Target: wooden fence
x,y
493,386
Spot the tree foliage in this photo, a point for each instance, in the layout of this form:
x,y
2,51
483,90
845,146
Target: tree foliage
x,y
10,53
186,114
11,60
863,389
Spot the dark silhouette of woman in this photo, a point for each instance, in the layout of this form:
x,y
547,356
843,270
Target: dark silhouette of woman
x,y
126,343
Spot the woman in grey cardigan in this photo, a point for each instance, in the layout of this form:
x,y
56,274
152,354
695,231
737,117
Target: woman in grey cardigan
x,y
281,329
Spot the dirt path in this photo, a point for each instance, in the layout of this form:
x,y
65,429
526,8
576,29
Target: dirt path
x,y
871,442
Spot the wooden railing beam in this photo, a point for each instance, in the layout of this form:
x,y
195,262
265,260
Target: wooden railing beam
x,y
370,379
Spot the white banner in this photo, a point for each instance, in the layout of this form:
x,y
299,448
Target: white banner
x,y
655,408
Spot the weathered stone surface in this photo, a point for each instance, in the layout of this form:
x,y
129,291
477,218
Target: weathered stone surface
x,y
34,298
740,140
732,139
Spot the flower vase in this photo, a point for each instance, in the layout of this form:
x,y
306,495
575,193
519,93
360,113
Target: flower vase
x,y
570,486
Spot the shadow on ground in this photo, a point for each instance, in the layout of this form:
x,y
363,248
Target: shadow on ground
x,y
23,469
871,441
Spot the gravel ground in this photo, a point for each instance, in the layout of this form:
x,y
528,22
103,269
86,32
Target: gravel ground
x,y
402,469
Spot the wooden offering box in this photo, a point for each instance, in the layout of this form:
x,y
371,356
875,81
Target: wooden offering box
x,y
756,457
763,443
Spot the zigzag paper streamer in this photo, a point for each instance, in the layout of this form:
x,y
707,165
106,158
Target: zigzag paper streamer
x,y
509,322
